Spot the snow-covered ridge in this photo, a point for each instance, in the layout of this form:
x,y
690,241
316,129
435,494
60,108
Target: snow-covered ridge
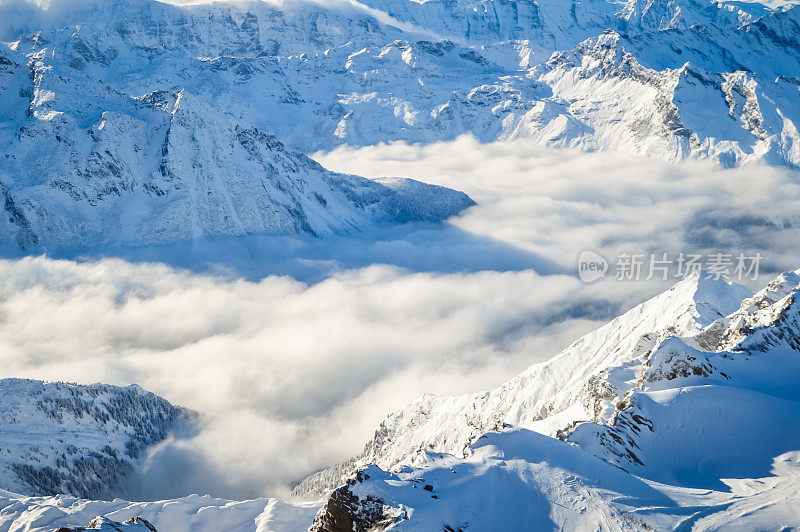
x,y
683,410
548,396
134,524
60,438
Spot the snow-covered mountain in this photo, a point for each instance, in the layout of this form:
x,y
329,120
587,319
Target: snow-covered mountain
x,y
685,409
166,166
104,144
548,396
670,78
60,438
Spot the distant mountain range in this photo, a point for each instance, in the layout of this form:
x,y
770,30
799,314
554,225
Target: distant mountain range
x,y
671,78
138,122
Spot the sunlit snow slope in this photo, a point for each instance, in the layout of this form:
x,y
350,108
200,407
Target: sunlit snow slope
x,y
188,514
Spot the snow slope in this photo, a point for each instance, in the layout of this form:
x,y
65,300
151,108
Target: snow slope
x,y
684,410
522,480
59,438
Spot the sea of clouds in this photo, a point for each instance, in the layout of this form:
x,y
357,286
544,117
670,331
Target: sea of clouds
x,y
294,349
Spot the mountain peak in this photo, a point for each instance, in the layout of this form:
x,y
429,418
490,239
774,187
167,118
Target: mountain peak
x,y
712,297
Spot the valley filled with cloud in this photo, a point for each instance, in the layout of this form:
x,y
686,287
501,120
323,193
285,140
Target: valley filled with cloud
x,y
293,349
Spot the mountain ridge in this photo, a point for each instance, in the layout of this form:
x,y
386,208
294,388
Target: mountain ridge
x,y
167,167
321,76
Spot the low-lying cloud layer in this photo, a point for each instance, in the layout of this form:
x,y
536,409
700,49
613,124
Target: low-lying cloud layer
x,y
290,376
557,203
294,372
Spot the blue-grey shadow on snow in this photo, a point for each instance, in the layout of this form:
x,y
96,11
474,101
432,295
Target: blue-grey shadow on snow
x,y
415,247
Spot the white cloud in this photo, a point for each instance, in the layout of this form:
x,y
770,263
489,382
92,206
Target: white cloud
x,y
294,375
